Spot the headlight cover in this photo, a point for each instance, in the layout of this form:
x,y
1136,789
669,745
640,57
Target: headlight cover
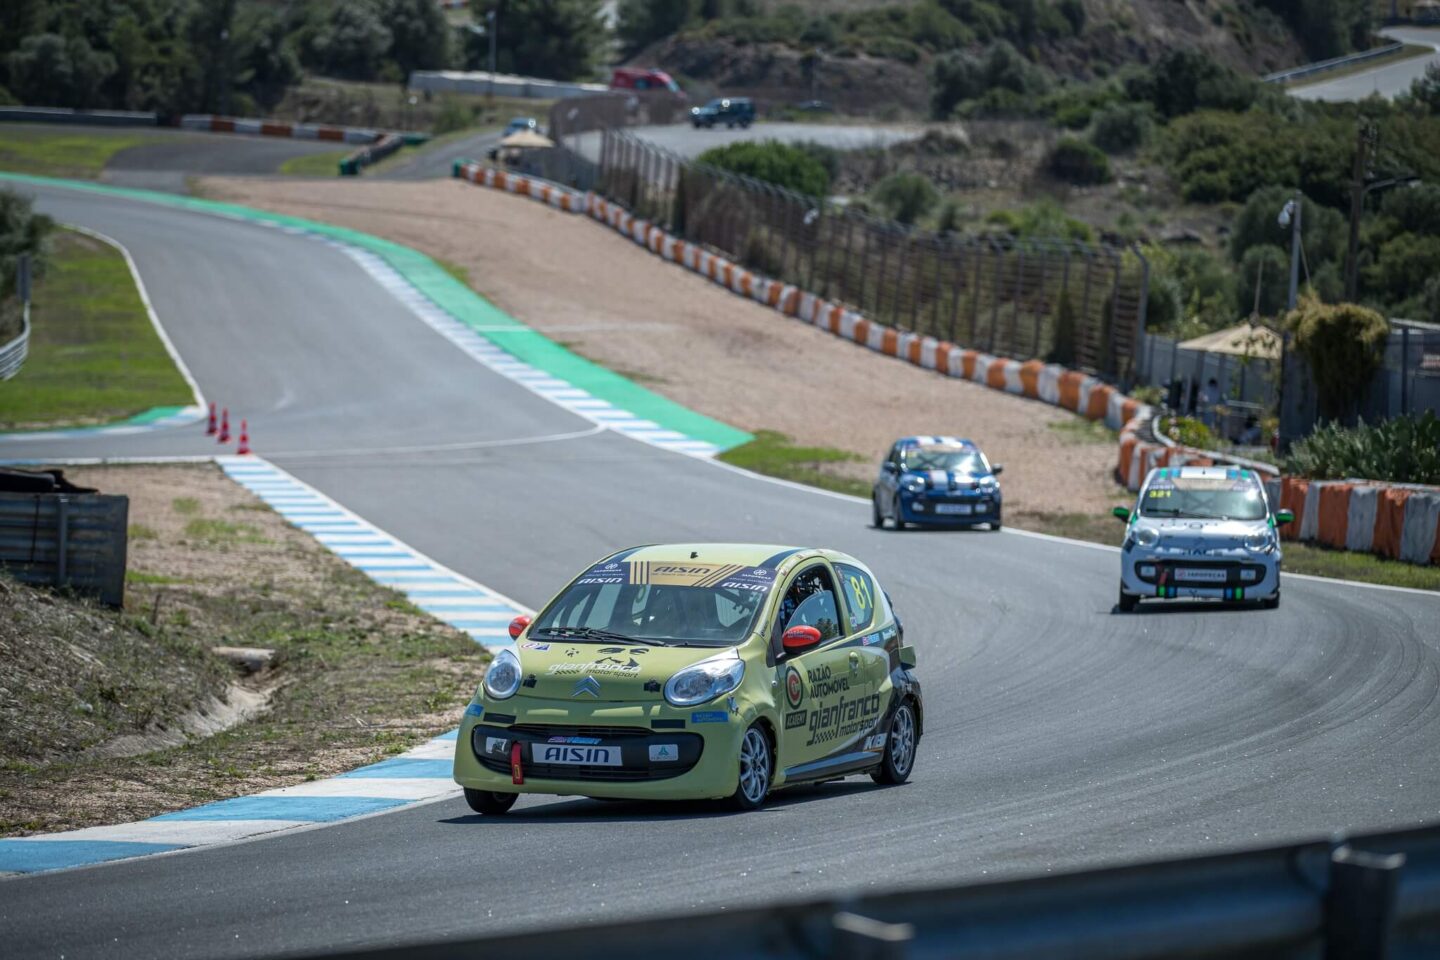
x,y
502,679
1260,542
704,681
1146,536
914,485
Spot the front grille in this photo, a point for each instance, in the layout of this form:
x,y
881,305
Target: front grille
x,y
559,771
557,730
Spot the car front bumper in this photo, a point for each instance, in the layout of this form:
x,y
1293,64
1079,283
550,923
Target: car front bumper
x,y
1241,577
705,741
927,510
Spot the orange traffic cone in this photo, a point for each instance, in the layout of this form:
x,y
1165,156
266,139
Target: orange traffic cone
x,y
224,426
244,447
210,430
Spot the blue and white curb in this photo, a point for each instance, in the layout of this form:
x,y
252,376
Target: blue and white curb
x,y
417,775
421,774
180,418
537,381
441,592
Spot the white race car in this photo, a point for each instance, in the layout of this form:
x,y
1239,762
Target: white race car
x,y
1201,532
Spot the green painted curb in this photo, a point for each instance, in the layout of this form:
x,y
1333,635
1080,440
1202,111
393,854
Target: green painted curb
x,y
465,305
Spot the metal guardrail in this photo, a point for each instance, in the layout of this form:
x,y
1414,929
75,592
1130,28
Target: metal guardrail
x,y
92,118
1324,66
13,354
1374,897
66,540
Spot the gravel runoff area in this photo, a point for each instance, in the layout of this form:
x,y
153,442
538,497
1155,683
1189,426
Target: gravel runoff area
x,y
719,354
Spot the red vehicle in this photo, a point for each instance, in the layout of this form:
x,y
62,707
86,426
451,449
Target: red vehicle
x,y
644,78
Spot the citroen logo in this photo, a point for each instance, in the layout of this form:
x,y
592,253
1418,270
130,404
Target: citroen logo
x,y
588,685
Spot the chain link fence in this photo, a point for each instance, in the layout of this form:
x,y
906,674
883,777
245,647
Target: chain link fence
x,y
1082,305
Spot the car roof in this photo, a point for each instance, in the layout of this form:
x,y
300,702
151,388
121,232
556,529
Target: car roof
x,y
928,440
772,555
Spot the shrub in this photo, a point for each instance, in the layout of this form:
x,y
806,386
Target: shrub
x,y
1322,230
1119,127
1343,344
22,230
782,164
1078,162
1402,450
453,115
1190,432
1063,350
906,196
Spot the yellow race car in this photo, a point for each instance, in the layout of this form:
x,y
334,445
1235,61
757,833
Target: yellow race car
x,y
696,671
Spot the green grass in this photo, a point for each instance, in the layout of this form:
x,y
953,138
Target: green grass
x,y
1078,430
223,531
61,153
154,579
94,357
1367,567
772,454
315,164
185,506
460,273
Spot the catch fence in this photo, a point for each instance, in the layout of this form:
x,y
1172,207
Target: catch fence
x,y
1078,304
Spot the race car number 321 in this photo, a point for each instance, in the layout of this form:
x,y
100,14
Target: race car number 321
x,y
576,756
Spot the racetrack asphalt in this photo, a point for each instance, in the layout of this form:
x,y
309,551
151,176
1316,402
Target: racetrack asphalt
x,y
1058,734
1388,80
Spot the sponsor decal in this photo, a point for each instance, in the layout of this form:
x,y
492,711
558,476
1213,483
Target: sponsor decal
x,y
664,752
600,580
843,718
531,645
496,744
571,651
822,685
794,687
872,640
576,756
709,716
623,650
581,741
605,667
737,576
796,720
875,742
475,710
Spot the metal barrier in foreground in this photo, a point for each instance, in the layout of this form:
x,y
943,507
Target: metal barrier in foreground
x,y
66,540
1373,897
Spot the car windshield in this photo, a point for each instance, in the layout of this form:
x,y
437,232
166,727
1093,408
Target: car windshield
x,y
715,105
675,603
952,459
1204,498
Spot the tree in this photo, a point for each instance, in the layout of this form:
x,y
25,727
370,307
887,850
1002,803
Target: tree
x,y
959,76
1404,265
553,39
266,62
351,41
1344,344
419,35
22,230
906,196
1186,80
642,22
1267,268
1426,89
1118,127
1322,229
54,71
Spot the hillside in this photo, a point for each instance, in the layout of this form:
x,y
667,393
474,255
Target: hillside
x,y
874,57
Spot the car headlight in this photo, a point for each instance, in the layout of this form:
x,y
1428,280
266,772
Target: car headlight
x,y
503,678
1259,542
706,680
914,485
1146,537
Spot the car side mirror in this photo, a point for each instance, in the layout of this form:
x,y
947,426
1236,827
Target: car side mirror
x,y
800,639
997,469
1121,513
907,657
518,625
888,467
1283,517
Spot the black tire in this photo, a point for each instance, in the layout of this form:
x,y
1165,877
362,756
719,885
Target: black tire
x,y
899,518
877,519
1128,603
757,769
489,802
899,759
995,525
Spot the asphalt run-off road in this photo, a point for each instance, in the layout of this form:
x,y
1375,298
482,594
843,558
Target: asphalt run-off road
x,y
1059,734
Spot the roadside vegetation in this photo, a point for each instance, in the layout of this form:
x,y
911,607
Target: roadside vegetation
x,y
55,152
110,716
315,164
94,356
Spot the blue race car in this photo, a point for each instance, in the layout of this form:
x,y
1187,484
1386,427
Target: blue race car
x,y
937,481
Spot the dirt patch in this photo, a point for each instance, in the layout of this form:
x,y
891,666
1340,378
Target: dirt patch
x,y
110,716
732,359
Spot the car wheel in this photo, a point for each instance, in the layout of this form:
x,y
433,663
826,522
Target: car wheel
x,y
995,524
1271,603
1128,603
756,770
899,758
899,518
877,519
490,802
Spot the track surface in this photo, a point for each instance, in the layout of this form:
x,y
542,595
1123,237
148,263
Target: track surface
x,y
1058,733
1388,80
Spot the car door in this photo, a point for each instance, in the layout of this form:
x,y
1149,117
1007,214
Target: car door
x,y
816,687
888,481
869,642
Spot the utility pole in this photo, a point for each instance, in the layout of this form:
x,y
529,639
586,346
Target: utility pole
x,y
1294,208
490,28
1365,141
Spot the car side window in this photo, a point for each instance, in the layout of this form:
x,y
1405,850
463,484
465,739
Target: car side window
x,y
894,456
860,600
810,602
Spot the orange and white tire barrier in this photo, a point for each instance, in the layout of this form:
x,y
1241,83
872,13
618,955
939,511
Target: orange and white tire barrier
x,y
556,196
1398,521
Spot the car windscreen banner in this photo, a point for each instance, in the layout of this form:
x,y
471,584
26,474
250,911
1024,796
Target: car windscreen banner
x,y
733,576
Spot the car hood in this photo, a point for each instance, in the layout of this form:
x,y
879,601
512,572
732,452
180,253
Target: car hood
x,y
631,672
1186,536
